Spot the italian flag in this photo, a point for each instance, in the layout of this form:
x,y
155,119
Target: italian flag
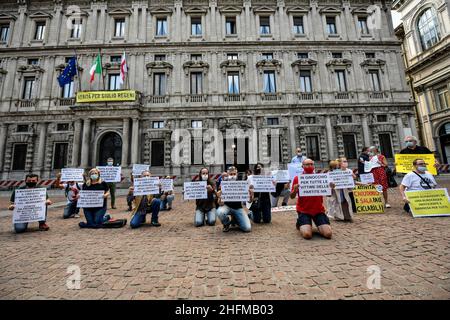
x,y
96,68
123,69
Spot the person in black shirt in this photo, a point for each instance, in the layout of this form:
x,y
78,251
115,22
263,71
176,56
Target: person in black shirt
x,y
364,156
413,148
261,206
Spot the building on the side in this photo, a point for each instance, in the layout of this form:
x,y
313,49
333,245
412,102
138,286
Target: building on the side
x,y
425,33
326,76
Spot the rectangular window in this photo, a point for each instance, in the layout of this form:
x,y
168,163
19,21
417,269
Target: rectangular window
x,y
196,124
341,82
310,120
75,33
362,24
444,98
4,32
305,81
19,156
33,62
160,57
272,121
349,146
302,55
267,56
331,25
196,57
346,119
119,28
196,82
264,25
60,155
375,80
116,59
157,153
196,26
161,26
298,25
28,87
114,82
312,147
62,127
336,55
269,82
159,84
381,118
233,83
370,55
386,145
274,147
39,33
22,128
158,124
68,90
232,56
230,25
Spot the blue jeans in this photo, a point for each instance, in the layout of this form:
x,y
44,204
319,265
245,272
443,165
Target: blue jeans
x,y
139,219
199,219
22,227
70,210
94,217
239,215
167,202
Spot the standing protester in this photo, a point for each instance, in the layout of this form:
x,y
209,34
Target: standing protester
x,y
205,210
310,208
144,205
363,157
112,186
261,205
167,198
71,191
31,181
233,208
413,148
95,217
416,180
299,157
379,174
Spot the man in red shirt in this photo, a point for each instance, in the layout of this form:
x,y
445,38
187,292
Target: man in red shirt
x,y
310,208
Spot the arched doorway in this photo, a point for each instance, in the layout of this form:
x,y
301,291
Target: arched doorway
x,y
110,147
444,139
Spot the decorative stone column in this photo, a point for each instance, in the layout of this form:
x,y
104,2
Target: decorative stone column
x,y
401,131
125,142
135,141
3,132
85,144
366,132
41,146
329,129
76,143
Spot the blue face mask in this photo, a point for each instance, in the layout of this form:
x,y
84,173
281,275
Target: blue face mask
x,y
409,144
421,168
94,176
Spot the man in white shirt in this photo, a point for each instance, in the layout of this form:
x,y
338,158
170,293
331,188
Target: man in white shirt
x,y
416,180
299,157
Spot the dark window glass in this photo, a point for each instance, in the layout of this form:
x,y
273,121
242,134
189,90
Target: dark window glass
x,y
349,146
157,153
19,156
60,156
386,145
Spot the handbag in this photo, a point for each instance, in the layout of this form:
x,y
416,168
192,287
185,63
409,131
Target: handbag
x,y
390,177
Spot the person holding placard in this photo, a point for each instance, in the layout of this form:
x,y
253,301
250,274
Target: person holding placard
x,y
205,210
112,185
261,205
31,181
167,198
379,173
233,208
299,157
363,157
411,147
417,180
144,205
310,208
95,217
71,191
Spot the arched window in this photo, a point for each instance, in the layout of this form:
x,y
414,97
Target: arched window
x,y
428,27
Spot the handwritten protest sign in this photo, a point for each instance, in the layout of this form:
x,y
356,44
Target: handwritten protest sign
x,y
283,208
110,173
317,184
29,205
72,174
404,162
146,186
262,183
294,170
234,190
195,190
368,199
373,163
139,168
367,178
91,199
342,179
429,203
281,176
166,184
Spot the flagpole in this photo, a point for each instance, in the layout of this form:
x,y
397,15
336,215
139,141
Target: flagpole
x,y
101,65
78,73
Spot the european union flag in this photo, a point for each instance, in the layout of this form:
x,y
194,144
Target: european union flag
x,y
68,73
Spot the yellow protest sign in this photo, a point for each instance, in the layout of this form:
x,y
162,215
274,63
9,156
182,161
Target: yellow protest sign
x,y
404,162
368,199
106,96
429,203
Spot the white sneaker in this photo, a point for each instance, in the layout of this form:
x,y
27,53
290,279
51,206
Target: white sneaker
x,y
76,215
388,205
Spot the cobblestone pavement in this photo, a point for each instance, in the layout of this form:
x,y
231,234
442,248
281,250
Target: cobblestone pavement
x,y
179,261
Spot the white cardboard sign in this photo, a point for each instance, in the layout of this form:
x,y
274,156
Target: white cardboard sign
x,y
110,173
195,190
234,191
29,205
91,199
316,184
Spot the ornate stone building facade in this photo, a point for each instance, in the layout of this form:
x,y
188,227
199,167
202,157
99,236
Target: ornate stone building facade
x,y
425,33
321,75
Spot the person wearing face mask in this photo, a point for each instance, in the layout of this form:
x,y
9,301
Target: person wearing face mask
x,y
261,205
379,174
416,180
144,205
364,156
233,209
310,208
411,147
205,210
112,186
167,198
31,181
71,190
299,157
95,217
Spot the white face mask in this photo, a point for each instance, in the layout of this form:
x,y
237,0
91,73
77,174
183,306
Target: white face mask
x,y
205,177
110,163
232,178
